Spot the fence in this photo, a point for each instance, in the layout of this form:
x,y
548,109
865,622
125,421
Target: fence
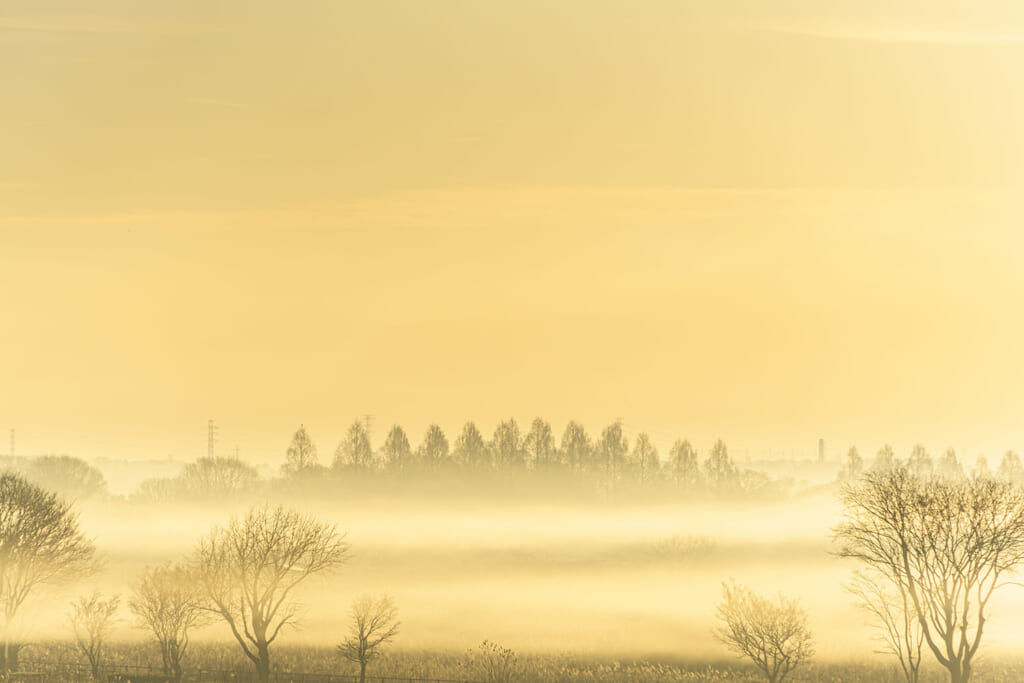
x,y
33,672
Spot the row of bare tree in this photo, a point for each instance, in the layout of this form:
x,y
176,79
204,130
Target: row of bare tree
x,y
244,574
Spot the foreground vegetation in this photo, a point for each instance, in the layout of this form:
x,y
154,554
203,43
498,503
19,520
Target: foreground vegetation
x,y
557,668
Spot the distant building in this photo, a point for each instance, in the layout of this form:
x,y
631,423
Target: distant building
x,y
821,450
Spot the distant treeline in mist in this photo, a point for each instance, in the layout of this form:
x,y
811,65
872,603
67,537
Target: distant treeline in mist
x,y
921,463
606,464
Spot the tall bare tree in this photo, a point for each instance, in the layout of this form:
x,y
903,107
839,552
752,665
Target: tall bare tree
x,y
539,444
719,469
898,627
853,466
947,544
169,602
576,447
471,450
612,450
40,544
645,458
773,634
683,465
354,451
433,452
250,568
374,625
91,619
218,477
396,450
301,454
507,445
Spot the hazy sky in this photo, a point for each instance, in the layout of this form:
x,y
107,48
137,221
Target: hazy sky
x,y
767,221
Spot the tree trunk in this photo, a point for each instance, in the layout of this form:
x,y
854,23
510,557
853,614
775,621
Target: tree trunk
x,y
263,665
958,673
362,672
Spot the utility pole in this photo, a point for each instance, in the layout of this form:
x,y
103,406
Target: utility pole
x,y
12,442
211,437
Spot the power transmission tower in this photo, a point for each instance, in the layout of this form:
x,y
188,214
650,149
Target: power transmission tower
x,y
211,437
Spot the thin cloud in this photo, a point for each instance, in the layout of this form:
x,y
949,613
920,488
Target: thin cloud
x,y
216,102
104,26
894,34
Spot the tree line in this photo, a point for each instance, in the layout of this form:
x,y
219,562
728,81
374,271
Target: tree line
x,y
609,457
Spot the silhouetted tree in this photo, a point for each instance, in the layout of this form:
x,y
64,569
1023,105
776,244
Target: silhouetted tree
x,y
899,627
645,458
684,467
1011,469
301,454
433,452
397,451
947,544
981,468
217,478
885,459
249,569
854,465
493,663
507,445
374,625
576,448
471,450
539,445
40,544
169,602
948,466
611,452
719,469
920,463
354,452
69,477
773,634
91,618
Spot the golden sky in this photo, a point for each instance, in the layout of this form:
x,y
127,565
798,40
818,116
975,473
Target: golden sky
x,y
762,220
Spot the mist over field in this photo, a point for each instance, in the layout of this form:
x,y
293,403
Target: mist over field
x,y
469,341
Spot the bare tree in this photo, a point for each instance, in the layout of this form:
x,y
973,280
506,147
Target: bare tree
x,y
772,634
645,458
507,445
684,466
40,544
169,602
576,447
301,453
947,544
218,478
899,629
719,469
471,450
70,477
374,625
250,568
354,452
1010,468
397,451
854,465
91,618
493,663
539,444
433,452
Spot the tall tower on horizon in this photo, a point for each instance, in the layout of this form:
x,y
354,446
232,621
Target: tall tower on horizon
x,y
821,450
